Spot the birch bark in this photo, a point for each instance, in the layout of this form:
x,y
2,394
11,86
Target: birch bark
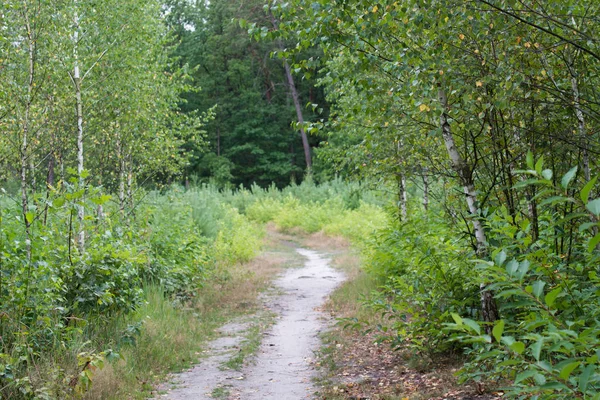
x,y
79,111
26,128
581,128
489,309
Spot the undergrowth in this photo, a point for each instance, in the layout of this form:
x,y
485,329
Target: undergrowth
x,y
96,320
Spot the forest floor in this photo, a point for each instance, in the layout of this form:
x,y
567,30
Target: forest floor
x,y
290,348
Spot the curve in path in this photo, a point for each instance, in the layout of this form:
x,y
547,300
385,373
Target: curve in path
x,y
282,368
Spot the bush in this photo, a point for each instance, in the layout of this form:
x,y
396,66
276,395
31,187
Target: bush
x,y
547,341
426,278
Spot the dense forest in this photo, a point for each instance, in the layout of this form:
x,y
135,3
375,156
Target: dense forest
x,y
145,145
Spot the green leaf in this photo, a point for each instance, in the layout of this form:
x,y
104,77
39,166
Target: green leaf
x,y
525,375
508,363
512,266
457,318
523,269
29,216
555,199
539,379
594,207
539,165
565,372
536,350
500,258
545,365
593,242
529,159
538,288
101,199
518,347
584,378
547,174
585,192
550,298
472,324
568,177
59,202
584,227
508,340
498,330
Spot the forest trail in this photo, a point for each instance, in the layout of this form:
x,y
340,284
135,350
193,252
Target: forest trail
x,y
282,368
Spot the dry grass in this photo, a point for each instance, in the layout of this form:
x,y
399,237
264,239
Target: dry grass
x,y
359,366
240,289
173,336
105,383
320,241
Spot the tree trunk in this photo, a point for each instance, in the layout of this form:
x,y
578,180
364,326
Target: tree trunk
x,y
489,310
425,190
581,128
24,140
49,184
298,106
121,177
130,201
79,110
402,196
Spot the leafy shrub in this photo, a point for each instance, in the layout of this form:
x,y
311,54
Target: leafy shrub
x,y
426,279
238,240
547,341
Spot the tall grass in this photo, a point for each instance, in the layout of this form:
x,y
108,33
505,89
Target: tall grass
x,y
151,285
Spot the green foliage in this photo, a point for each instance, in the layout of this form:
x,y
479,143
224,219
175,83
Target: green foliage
x,y
546,343
238,239
334,208
176,241
426,278
251,137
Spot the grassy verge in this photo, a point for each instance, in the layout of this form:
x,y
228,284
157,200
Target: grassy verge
x,y
252,340
172,337
356,362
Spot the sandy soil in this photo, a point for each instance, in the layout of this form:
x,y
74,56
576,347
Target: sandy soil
x,y
282,369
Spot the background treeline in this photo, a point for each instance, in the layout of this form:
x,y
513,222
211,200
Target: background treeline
x,y
488,112
251,137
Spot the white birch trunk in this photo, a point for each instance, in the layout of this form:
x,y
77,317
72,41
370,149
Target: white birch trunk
x,y
489,309
130,185
24,140
79,110
581,128
404,199
121,177
297,105
464,175
425,190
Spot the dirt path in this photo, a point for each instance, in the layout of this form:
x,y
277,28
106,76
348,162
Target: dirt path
x,y
282,367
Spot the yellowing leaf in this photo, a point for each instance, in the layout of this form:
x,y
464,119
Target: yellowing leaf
x,y
424,107
479,84
461,36
374,9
